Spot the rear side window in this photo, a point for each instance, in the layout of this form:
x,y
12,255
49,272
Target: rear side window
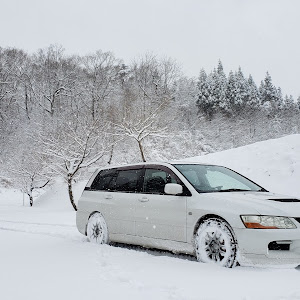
x,y
103,180
118,180
128,181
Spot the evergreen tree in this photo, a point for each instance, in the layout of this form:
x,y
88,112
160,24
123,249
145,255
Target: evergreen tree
x,y
237,92
289,103
268,93
241,91
215,96
221,87
230,92
213,92
253,95
279,99
298,103
204,102
220,68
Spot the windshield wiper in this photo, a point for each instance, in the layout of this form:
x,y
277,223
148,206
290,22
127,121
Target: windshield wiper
x,y
262,190
234,190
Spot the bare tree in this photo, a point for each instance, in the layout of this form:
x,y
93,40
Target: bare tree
x,y
142,128
55,80
10,61
102,73
150,90
73,148
30,174
24,78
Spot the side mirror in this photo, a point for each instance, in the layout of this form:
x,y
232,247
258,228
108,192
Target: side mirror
x,y
173,189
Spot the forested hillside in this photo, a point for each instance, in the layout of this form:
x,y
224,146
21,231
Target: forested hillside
x,y
60,114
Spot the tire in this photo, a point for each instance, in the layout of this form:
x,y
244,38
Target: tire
x,y
215,243
96,230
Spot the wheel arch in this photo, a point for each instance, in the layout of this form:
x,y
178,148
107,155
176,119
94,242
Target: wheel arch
x,y
92,213
211,216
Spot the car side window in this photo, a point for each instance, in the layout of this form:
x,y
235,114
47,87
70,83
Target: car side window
x,y
155,181
103,180
127,181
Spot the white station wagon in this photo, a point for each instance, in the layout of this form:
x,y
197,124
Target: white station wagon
x,y
208,211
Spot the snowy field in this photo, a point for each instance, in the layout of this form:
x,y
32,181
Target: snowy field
x,y
42,255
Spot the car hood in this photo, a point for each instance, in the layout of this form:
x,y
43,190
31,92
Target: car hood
x,y
264,203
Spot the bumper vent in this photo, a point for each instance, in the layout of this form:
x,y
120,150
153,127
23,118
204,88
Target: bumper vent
x,y
280,245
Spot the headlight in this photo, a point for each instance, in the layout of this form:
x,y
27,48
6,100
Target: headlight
x,y
268,222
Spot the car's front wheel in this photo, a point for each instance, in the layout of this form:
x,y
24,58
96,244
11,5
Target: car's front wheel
x,y
97,231
215,243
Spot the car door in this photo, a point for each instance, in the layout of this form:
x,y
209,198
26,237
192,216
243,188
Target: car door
x,y
119,195
159,215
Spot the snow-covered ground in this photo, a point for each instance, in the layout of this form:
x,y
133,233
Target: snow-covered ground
x,y
42,255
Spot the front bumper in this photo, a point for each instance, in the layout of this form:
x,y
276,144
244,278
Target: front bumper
x,y
254,246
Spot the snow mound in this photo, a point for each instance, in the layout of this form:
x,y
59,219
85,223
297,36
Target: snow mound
x,y
56,196
273,164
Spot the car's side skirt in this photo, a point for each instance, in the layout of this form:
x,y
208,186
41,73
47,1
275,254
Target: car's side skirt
x,y
174,246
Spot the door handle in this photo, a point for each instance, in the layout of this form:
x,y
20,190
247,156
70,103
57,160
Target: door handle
x,y
108,196
143,199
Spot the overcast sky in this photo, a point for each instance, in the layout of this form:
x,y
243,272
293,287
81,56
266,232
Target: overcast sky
x,y
258,35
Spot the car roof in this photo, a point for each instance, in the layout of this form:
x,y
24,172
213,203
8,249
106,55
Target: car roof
x,y
163,163
185,162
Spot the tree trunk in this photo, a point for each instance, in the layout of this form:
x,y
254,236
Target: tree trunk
x,y
30,199
26,102
93,107
111,154
142,151
71,192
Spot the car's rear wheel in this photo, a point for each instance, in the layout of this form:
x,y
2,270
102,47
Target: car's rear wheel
x,y
215,243
97,231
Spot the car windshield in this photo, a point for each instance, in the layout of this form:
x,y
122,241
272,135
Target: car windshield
x,y
209,179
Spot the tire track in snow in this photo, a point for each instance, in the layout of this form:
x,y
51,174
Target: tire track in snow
x,y
51,224
70,232
64,231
